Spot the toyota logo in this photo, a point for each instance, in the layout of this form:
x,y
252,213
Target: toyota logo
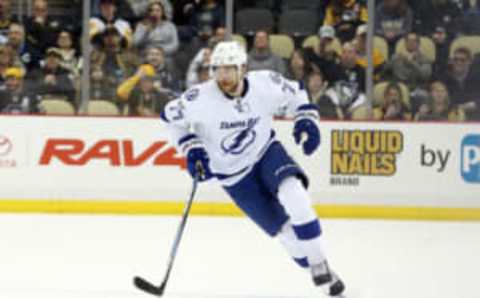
x,y
5,146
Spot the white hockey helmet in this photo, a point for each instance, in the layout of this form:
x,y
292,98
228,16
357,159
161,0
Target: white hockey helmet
x,y
228,53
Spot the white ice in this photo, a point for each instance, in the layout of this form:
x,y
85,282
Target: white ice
x,y
60,256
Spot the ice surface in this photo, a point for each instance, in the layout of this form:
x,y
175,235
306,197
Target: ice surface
x,y
64,256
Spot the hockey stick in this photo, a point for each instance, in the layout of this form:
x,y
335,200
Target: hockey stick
x,y
147,286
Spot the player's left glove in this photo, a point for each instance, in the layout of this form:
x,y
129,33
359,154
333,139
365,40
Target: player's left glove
x,y
306,124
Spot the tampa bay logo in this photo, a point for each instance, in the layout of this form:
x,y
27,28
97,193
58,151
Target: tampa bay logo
x,y
6,146
236,142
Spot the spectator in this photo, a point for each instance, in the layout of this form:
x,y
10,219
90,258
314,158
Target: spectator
x,y
203,73
141,95
317,88
7,60
352,73
393,19
431,14
261,56
156,30
393,106
348,102
28,55
41,29
108,17
471,14
15,98
202,58
439,106
116,63
323,56
70,60
360,44
183,11
462,81
6,20
52,79
101,87
338,10
345,16
442,40
140,7
207,16
163,79
411,67
298,67
166,75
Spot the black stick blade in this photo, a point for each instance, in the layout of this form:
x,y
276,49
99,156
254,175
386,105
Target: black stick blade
x,y
148,287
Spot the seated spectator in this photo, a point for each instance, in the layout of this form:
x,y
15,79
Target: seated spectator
x,y
140,7
298,67
163,80
317,88
442,41
102,87
70,61
349,103
439,106
350,71
41,28
261,56
412,67
183,11
142,96
27,54
202,58
52,79
15,98
108,17
7,60
431,14
116,63
6,19
393,106
462,80
345,16
166,75
360,44
155,30
203,73
393,19
323,56
470,16
206,17
337,10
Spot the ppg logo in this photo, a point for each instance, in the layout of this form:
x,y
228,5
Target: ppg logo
x,y
470,158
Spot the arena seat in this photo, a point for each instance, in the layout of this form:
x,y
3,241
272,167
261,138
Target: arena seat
x,y
282,45
57,107
250,20
102,108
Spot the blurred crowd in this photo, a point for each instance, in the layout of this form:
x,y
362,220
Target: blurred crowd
x,y
144,53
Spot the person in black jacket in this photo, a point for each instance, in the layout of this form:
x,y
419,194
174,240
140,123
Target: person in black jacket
x,y
53,79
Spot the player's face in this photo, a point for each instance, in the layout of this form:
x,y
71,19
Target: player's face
x,y
227,78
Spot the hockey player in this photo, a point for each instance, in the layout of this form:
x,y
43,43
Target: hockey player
x,y
225,124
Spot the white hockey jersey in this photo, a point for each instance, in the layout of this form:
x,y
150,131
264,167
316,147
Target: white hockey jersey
x,y
235,131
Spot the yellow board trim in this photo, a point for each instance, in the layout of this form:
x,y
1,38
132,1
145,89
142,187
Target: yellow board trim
x,y
228,209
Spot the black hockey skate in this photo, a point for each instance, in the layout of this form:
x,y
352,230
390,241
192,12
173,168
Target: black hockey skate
x,y
327,280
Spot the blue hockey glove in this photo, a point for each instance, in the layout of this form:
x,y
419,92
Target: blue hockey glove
x,y
305,124
197,163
